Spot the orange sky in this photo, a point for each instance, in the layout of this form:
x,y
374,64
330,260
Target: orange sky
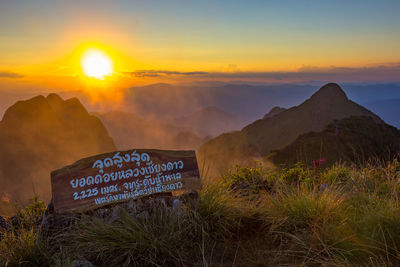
x,y
41,42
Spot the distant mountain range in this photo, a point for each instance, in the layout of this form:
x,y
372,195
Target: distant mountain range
x,y
42,134
389,109
248,102
187,132
259,138
211,121
129,131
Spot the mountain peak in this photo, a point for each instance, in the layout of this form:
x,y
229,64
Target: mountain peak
x,y
261,137
54,98
330,91
27,110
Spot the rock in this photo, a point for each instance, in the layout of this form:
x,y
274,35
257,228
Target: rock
x,y
114,215
177,206
81,263
53,224
190,198
4,224
14,221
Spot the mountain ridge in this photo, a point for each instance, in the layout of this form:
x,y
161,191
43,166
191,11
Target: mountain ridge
x,y
355,139
264,135
41,134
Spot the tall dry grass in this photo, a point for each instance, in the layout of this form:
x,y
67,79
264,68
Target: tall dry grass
x,y
251,216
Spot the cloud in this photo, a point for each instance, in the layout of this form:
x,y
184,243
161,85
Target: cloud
x,y
8,74
159,73
387,72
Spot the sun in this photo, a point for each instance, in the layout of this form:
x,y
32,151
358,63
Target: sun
x,y
96,64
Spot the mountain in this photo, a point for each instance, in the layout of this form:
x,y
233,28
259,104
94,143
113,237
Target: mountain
x,y
262,136
42,134
354,139
247,100
130,131
211,120
274,111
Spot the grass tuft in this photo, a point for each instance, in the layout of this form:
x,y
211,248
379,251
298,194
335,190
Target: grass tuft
x,y
339,216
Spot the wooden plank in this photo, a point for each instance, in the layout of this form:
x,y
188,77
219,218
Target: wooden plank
x,y
121,176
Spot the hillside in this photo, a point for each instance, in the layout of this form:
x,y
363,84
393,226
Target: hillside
x,y
42,134
261,137
352,139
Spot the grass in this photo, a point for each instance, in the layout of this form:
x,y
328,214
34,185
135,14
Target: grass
x,y
250,217
157,240
22,245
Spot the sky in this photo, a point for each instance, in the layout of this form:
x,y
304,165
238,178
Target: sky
x,y
42,42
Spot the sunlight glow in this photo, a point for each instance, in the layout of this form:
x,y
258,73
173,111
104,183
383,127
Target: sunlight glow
x,y
96,64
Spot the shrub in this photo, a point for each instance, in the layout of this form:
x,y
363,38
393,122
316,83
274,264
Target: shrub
x,y
297,174
31,215
250,179
337,174
23,246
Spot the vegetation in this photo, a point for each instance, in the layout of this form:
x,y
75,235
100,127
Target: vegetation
x,y
352,139
338,215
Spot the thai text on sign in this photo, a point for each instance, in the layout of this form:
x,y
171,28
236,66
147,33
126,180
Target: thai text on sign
x,y
120,176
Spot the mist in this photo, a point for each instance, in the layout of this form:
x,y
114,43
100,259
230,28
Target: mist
x,y
42,134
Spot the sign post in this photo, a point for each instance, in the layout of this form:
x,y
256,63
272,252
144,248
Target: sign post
x,y
121,176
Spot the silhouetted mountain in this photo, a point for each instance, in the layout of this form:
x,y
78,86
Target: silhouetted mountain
x,y
42,134
211,120
130,131
259,138
274,111
356,139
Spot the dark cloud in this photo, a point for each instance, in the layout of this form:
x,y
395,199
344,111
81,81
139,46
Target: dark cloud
x,y
158,73
7,74
378,73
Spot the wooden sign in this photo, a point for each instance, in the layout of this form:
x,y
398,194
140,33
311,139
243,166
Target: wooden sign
x,y
121,176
